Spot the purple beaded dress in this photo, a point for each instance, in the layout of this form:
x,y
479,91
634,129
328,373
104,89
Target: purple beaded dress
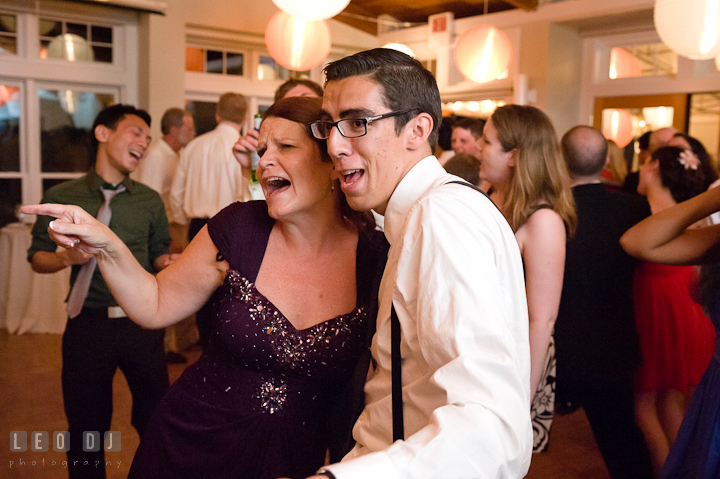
x,y
261,401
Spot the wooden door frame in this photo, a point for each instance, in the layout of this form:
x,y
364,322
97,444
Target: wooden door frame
x,y
678,102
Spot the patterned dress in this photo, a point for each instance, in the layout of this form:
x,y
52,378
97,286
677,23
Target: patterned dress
x,y
259,403
543,403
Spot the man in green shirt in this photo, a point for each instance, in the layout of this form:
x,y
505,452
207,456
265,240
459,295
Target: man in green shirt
x,y
98,337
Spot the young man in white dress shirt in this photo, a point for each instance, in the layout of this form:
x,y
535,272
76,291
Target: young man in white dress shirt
x,y
454,275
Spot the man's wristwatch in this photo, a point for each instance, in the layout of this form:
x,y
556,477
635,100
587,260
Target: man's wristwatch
x,y
325,472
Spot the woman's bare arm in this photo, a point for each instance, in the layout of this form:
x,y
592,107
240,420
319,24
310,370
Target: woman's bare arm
x,y
665,238
151,301
542,241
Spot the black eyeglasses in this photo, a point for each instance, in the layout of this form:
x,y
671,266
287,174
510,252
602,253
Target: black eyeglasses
x,y
352,127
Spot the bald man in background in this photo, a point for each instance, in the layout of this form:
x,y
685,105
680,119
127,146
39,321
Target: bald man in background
x,y
596,343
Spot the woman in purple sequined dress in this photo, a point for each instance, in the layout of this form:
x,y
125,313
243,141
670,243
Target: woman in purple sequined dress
x,y
280,382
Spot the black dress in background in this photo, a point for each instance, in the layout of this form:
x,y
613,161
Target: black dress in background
x,y
265,400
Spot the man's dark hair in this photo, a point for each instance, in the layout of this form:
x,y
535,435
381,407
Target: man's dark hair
x,y
110,117
172,117
404,84
293,82
473,125
585,151
644,140
465,166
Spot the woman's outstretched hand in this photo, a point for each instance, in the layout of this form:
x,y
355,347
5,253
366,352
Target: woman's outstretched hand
x,y
74,227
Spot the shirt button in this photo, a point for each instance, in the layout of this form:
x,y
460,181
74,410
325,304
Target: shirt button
x,y
363,416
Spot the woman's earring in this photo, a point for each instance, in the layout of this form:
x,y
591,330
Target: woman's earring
x,y
332,186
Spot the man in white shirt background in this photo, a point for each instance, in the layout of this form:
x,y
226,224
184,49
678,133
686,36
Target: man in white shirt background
x,y
157,170
454,276
208,178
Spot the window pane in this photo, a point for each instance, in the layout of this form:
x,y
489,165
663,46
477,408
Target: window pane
x,y
10,198
282,72
234,63
193,59
101,34
266,69
50,28
203,113
78,29
8,23
50,182
9,128
642,60
69,47
66,117
704,121
102,54
8,45
214,62
624,124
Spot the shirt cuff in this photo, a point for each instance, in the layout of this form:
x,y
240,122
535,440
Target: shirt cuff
x,y
376,464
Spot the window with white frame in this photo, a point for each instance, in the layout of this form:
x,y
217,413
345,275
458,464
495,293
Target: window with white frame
x,y
8,34
47,103
220,61
73,41
205,60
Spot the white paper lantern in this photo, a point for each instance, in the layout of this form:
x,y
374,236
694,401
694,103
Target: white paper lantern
x,y
312,9
690,28
483,53
623,64
70,47
296,43
617,126
401,48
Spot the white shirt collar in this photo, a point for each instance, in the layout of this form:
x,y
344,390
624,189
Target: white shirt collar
x,y
227,127
166,146
415,183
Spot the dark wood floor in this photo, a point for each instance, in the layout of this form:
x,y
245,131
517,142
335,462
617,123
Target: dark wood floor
x,y
31,400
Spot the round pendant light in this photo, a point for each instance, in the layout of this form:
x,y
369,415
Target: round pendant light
x,y
312,9
483,53
690,28
617,126
401,47
296,43
623,64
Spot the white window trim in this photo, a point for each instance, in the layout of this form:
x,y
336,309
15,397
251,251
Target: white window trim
x,y
31,73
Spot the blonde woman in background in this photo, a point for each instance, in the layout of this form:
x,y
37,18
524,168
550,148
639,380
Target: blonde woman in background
x,y
521,158
615,171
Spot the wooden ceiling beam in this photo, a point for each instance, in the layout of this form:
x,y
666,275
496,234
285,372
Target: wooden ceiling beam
x,y
526,5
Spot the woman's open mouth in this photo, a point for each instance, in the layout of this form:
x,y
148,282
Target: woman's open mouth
x,y
275,184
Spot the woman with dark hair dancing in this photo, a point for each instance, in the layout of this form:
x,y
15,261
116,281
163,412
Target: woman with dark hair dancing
x,y
676,338
667,237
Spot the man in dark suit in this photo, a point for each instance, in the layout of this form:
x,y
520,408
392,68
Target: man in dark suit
x,y
596,341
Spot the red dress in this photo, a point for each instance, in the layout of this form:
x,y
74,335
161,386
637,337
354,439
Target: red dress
x,y
677,340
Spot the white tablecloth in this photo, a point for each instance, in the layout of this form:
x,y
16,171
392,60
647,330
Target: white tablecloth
x,y
29,302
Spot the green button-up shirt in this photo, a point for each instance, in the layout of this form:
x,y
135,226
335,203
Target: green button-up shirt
x,y
138,218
